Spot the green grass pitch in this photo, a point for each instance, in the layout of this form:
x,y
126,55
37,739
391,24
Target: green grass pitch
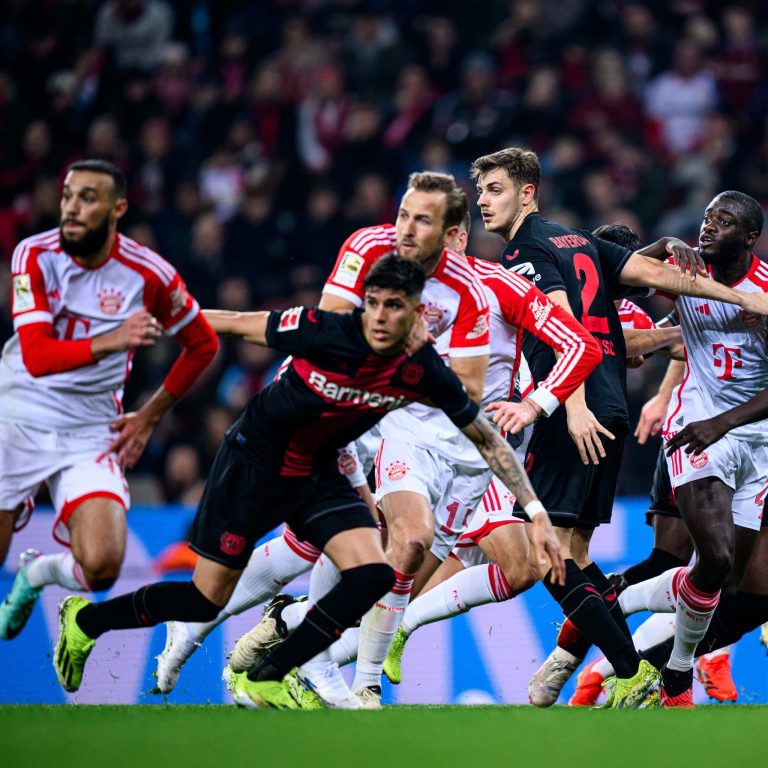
x,y
418,737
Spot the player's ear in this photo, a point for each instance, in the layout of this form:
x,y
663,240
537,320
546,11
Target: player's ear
x,y
528,193
120,208
449,236
751,238
419,308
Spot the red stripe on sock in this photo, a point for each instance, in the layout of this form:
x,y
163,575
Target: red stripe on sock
x,y
499,584
403,583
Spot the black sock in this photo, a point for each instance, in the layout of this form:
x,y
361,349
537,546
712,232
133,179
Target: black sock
x,y
150,605
655,564
609,594
659,654
734,616
358,589
582,604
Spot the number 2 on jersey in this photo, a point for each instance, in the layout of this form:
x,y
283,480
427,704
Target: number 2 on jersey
x,y
585,268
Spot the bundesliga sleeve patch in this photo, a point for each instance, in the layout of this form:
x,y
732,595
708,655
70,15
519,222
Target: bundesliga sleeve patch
x,y
349,270
23,298
289,320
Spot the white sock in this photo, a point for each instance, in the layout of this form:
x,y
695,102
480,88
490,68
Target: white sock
x,y
726,651
323,578
658,594
377,629
654,630
57,569
478,585
270,567
344,650
603,668
294,614
694,613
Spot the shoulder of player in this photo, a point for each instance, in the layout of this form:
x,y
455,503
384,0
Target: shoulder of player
x,y
139,258
501,281
371,241
759,275
31,247
457,273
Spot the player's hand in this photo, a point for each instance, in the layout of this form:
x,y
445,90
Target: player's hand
x,y
513,417
418,337
585,431
134,430
686,259
651,418
547,547
697,436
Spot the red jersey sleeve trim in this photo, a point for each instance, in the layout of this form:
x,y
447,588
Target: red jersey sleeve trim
x,y
200,345
43,354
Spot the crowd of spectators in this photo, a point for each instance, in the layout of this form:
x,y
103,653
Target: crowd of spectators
x,y
257,134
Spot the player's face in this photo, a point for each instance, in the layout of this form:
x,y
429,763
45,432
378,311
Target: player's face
x,y
388,319
722,237
500,200
89,211
420,225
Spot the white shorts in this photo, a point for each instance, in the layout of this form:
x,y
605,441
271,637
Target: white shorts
x,y
453,492
71,463
496,509
740,465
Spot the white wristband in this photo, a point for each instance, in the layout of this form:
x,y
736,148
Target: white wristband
x,y
533,508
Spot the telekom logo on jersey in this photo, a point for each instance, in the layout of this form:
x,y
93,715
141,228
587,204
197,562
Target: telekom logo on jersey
x,y
726,358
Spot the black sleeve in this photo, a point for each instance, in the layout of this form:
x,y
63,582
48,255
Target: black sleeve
x,y
300,330
613,257
535,264
446,392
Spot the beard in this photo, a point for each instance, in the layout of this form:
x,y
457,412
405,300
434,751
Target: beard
x,y
727,252
89,244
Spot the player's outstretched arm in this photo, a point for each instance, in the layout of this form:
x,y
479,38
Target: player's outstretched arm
x,y
686,259
648,273
645,340
250,326
504,464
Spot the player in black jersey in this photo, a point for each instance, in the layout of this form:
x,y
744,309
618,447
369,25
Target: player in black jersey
x,y
278,463
577,475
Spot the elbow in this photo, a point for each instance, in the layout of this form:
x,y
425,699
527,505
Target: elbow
x,y
592,355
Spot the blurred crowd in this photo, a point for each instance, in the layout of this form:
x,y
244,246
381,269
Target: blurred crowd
x,y
257,134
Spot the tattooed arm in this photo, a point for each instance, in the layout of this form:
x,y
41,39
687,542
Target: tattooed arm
x,y
504,464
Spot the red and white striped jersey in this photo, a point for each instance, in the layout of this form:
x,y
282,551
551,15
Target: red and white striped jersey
x,y
726,358
633,317
517,306
456,309
50,287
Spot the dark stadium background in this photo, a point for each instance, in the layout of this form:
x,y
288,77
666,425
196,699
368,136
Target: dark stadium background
x,y
257,135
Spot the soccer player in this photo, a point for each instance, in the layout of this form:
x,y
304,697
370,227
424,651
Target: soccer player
x,y
278,463
84,297
717,452
577,475
432,212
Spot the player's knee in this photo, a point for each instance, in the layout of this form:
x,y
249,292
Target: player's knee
x,y
716,559
100,573
519,576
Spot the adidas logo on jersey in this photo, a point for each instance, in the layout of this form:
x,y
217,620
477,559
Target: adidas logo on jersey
x,y
332,391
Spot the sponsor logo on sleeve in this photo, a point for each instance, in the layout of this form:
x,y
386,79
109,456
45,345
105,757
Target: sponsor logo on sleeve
x,y
480,329
349,269
289,320
23,298
541,311
527,270
179,299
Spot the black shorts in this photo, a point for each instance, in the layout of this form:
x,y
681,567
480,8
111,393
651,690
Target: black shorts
x,y
662,494
243,501
575,495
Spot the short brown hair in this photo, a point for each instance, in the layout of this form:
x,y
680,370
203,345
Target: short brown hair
x,y
521,165
456,205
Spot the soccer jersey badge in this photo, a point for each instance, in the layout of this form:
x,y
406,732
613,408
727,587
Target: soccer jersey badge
x,y
700,461
110,300
397,470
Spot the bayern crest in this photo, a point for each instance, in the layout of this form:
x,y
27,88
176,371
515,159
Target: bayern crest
x,y
110,300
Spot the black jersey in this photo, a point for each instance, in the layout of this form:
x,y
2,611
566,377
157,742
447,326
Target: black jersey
x,y
335,389
557,258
